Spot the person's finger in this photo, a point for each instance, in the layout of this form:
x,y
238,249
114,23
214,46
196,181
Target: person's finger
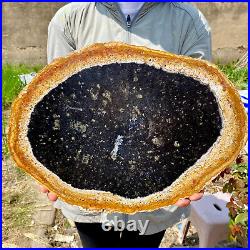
x,y
182,202
44,189
196,197
52,196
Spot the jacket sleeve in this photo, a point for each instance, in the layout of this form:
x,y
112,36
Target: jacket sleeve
x,y
197,42
59,41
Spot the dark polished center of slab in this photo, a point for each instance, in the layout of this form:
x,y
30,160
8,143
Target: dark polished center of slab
x,y
129,128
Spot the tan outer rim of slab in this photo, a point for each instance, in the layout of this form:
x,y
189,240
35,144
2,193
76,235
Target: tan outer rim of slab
x,y
223,152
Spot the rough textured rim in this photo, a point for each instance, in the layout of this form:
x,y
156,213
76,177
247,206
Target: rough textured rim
x,y
223,152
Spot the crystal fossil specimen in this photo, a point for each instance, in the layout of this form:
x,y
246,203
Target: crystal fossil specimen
x,y
123,128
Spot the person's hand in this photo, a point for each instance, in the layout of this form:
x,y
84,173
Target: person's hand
x,y
51,196
186,201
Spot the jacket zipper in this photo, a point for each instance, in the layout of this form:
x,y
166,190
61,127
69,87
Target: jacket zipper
x,y
128,22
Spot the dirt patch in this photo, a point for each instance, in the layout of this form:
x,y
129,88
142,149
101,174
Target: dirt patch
x,y
171,238
18,199
23,226
64,233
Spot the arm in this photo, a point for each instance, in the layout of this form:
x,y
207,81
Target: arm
x,y
60,42
201,48
197,41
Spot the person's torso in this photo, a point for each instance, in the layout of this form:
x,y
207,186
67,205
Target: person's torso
x,y
161,26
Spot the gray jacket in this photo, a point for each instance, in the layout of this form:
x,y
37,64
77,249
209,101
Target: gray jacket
x,y
175,27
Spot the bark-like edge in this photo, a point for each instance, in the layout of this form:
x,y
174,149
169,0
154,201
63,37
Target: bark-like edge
x,y
223,152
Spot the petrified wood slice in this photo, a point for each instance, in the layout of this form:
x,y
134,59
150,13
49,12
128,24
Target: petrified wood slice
x,y
124,128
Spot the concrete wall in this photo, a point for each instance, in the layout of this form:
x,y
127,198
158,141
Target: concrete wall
x,y
25,30
229,24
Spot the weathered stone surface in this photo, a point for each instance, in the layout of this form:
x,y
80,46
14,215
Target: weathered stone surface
x,y
45,215
64,238
38,238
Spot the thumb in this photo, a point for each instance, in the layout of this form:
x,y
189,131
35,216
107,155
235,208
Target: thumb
x,y
52,196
